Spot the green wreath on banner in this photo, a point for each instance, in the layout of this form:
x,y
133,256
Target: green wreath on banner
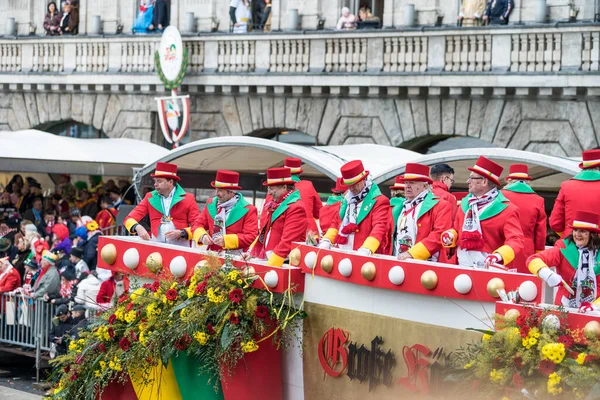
x,y
174,84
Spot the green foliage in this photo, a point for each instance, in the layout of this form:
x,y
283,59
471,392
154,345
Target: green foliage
x,y
174,84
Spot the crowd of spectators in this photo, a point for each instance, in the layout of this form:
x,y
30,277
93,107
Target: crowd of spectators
x,y
63,21
49,245
152,16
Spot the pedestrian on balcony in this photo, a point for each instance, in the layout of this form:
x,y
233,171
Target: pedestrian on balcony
x,y
498,11
240,13
160,16
52,20
471,12
144,17
347,21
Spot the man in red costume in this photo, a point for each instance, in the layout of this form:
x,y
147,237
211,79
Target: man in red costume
x,y
10,279
424,217
228,222
308,194
443,179
580,193
282,220
531,211
487,230
332,206
365,220
172,211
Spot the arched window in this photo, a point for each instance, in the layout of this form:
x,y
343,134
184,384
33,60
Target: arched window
x,y
75,130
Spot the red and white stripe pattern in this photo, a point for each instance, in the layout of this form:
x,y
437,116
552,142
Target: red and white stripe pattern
x,y
518,175
225,184
353,180
485,172
584,225
590,163
281,181
415,177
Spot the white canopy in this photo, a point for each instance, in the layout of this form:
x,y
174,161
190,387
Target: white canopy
x,y
40,152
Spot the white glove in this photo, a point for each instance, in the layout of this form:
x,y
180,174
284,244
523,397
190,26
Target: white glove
x,y
363,251
550,277
206,240
494,258
325,244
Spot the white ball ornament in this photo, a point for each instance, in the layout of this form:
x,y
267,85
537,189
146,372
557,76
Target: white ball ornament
x,y
528,291
463,284
551,323
310,260
271,279
396,275
345,267
131,258
178,266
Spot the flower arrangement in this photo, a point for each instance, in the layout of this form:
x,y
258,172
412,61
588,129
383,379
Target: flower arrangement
x,y
532,355
216,316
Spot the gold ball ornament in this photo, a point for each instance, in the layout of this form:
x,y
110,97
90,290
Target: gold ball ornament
x,y
429,280
154,262
494,285
109,254
248,271
592,330
327,263
201,264
368,271
512,314
295,257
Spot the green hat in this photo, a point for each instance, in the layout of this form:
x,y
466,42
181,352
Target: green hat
x,y
81,185
5,244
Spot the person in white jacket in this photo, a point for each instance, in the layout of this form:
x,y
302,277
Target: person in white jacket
x,y
87,291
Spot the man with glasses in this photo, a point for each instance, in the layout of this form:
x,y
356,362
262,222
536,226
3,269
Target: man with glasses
x,y
443,179
487,230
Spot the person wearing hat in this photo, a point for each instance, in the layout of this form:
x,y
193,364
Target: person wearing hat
x,y
47,284
423,217
487,229
577,261
580,193
364,223
107,215
531,212
10,279
59,333
172,211
283,219
228,222
7,249
308,194
333,204
32,272
79,321
76,258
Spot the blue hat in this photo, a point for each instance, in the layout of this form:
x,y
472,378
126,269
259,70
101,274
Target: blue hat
x,y
82,232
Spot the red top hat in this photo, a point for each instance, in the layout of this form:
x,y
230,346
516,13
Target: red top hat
x,y
519,172
353,172
279,176
587,221
294,164
591,159
339,186
399,184
165,170
417,173
226,180
488,169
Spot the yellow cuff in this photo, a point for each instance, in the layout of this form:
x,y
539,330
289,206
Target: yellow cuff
x,y
371,243
198,233
507,253
189,233
535,265
454,236
331,235
559,234
538,251
232,241
129,223
419,252
596,302
275,260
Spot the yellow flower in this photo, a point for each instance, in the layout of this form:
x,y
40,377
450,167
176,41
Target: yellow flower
x,y
554,384
239,281
249,347
233,275
554,352
72,346
183,314
103,365
201,337
496,376
137,293
120,313
534,332
173,285
486,337
152,310
97,373
581,358
469,365
130,316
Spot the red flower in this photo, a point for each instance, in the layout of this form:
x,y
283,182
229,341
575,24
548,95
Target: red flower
x,y
566,340
573,355
524,331
155,286
183,342
79,359
210,329
518,361
261,312
112,319
517,381
111,332
133,336
590,358
129,306
521,320
101,348
123,298
124,344
547,367
73,377
67,368
234,319
171,294
200,288
147,286
236,295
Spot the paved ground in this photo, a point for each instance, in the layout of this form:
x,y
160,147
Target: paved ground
x,y
12,394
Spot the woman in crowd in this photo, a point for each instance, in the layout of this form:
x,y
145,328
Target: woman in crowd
x,y
52,21
68,282
347,20
240,13
144,17
23,254
87,290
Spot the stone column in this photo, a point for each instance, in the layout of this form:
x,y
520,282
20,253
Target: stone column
x,y
436,56
572,44
501,49
317,56
374,55
388,14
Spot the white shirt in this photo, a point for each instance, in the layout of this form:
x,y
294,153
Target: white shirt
x,y
166,202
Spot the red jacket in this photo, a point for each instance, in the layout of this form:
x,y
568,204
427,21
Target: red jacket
x,y
312,202
287,225
329,212
565,257
241,226
435,217
500,226
581,193
533,221
374,222
107,290
441,190
184,212
106,218
10,281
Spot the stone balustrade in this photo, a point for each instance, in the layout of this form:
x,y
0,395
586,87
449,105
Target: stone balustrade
x,y
266,59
